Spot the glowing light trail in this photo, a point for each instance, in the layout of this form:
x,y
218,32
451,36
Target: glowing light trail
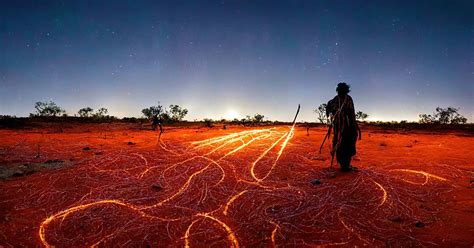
x,y
288,137
425,174
384,197
252,168
71,210
231,237
230,234
274,232
232,199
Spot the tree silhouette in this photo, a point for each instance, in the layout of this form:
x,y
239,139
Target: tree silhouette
x,y
85,112
101,112
208,122
258,118
361,116
447,115
177,113
152,111
321,112
47,109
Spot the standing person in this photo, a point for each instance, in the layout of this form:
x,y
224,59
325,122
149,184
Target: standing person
x,y
341,111
156,121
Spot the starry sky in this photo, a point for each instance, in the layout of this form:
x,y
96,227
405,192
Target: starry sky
x,y
226,59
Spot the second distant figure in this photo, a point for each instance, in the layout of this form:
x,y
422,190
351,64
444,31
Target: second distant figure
x,y
155,121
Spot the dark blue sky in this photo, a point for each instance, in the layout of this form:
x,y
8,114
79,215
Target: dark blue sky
x,y
232,58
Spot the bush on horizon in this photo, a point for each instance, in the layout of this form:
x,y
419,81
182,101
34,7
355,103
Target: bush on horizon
x,y
443,116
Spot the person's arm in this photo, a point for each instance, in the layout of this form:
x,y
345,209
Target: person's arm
x,y
353,117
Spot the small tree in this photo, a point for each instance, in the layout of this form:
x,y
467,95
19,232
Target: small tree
x,y
447,115
321,112
426,119
208,122
165,116
101,112
177,113
258,118
85,112
47,109
361,116
152,111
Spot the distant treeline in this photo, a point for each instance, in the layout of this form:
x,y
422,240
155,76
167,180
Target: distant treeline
x,y
174,115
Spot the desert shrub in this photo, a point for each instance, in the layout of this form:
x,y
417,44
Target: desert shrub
x,y
152,111
177,113
361,116
258,118
47,109
447,115
321,113
85,112
130,119
101,113
208,122
165,117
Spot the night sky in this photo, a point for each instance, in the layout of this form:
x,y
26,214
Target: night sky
x,y
233,58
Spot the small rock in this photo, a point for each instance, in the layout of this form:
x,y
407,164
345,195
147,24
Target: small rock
x,y
98,153
397,219
130,143
419,224
18,173
54,161
320,158
315,182
383,144
86,148
157,186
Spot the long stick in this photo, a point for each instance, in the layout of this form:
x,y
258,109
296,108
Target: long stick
x,y
332,158
294,120
325,137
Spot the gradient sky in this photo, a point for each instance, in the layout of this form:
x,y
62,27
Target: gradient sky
x,y
233,58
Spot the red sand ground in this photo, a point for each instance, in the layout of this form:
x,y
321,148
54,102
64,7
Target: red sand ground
x,y
246,189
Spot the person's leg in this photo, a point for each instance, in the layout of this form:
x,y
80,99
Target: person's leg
x,y
344,160
347,164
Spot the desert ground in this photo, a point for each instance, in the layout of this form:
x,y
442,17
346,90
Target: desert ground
x,y
110,185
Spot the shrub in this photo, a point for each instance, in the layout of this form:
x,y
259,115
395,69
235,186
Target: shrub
x,y
152,111
321,112
47,109
85,112
447,115
361,116
177,113
208,122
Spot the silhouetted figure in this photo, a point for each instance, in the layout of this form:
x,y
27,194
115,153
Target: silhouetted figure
x,y
341,110
155,121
